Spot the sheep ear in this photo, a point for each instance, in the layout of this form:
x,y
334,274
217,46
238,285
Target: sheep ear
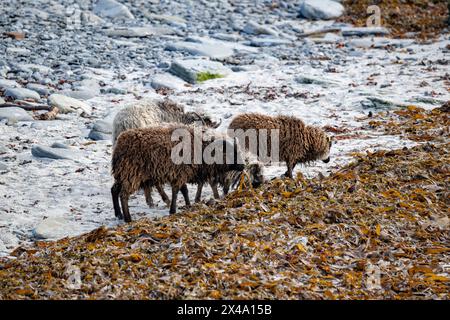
x,y
215,125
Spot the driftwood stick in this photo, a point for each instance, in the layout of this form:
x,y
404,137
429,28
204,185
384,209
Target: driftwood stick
x,y
30,107
320,31
50,115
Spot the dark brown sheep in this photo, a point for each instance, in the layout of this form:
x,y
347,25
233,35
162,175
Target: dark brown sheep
x,y
298,143
142,158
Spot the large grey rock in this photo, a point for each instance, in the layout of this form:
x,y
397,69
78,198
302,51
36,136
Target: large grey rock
x,y
4,84
51,228
171,20
67,104
269,42
102,129
97,135
167,81
3,149
4,167
37,68
304,79
104,125
21,52
207,47
22,94
364,31
39,88
138,32
40,151
227,37
321,9
112,9
14,114
89,18
80,94
212,50
255,28
192,70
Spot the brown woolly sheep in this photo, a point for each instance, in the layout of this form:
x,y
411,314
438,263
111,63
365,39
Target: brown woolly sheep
x,y
231,179
298,143
142,158
151,113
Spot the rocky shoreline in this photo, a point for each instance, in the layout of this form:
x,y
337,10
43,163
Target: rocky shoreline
x,y
90,58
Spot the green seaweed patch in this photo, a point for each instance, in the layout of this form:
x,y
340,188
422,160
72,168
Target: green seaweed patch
x,y
204,76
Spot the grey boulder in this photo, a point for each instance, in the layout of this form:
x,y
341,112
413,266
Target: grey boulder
x,y
321,9
195,70
40,151
22,94
112,9
14,114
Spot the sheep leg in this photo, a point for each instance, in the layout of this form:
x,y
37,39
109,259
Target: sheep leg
x,y
173,205
290,168
198,195
185,192
163,194
115,191
148,195
124,202
214,190
226,188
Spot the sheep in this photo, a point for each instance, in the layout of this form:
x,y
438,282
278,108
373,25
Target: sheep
x,y
150,113
254,170
298,143
142,158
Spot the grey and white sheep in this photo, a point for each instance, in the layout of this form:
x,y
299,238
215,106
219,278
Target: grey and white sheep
x,y
298,143
142,158
150,113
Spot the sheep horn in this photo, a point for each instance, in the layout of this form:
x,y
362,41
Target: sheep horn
x,y
217,124
201,118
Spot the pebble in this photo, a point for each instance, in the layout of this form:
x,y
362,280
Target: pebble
x,y
14,114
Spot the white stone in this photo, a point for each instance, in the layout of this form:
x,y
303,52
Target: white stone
x,y
14,114
51,228
4,83
112,9
255,28
40,151
136,32
189,69
321,9
22,94
18,51
67,104
167,81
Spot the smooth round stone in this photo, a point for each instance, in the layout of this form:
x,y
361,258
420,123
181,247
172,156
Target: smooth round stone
x,y
22,94
51,228
14,114
40,151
